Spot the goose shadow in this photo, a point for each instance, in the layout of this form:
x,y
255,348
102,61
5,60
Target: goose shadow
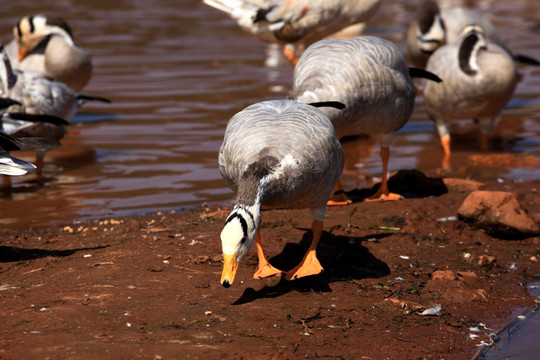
x,y
408,183
342,257
14,254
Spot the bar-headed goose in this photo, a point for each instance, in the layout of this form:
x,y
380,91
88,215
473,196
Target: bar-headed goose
x,y
479,78
296,23
276,154
45,44
370,76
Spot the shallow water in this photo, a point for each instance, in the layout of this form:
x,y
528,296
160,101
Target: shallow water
x,y
176,71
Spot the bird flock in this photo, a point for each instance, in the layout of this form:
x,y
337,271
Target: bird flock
x,y
286,153
42,71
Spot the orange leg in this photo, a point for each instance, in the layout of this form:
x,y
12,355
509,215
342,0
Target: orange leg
x,y
39,165
445,143
339,198
265,269
384,193
310,264
6,182
485,141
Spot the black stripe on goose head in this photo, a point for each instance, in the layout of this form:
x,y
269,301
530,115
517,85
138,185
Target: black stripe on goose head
x,y
468,48
427,11
59,22
31,24
18,27
243,224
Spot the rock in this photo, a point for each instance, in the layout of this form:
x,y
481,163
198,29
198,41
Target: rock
x,y
497,212
443,274
457,185
460,287
486,260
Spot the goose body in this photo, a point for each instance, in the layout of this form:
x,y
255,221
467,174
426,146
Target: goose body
x,y
296,23
369,75
479,78
275,154
45,44
433,28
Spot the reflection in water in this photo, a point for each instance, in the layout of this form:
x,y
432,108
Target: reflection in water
x,y
177,71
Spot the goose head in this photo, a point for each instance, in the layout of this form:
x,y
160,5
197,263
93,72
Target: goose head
x,y
431,32
473,40
32,30
237,238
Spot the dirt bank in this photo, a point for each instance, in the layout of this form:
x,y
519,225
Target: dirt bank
x,y
148,286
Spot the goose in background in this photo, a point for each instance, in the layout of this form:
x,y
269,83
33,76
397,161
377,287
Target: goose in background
x,y
296,23
370,76
433,28
12,166
37,93
479,78
276,154
45,44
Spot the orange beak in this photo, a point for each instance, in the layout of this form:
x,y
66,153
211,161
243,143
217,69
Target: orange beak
x,y
22,53
230,265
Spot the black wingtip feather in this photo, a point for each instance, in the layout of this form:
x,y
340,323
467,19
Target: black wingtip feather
x,y
335,104
7,102
524,59
10,143
50,119
83,97
421,73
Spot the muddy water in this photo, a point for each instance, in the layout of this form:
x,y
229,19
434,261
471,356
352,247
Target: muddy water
x,y
176,71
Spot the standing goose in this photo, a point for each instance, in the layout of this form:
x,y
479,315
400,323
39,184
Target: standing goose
x,y
45,44
433,28
367,74
296,23
479,78
39,94
276,154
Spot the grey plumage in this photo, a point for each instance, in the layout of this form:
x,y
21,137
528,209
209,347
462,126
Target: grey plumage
x,y
369,75
293,142
276,154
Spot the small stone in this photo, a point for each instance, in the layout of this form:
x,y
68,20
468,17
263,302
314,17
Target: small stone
x,y
486,260
443,274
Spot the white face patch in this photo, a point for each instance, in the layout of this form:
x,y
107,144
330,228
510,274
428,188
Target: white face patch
x,y
231,237
434,38
39,21
473,62
239,231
